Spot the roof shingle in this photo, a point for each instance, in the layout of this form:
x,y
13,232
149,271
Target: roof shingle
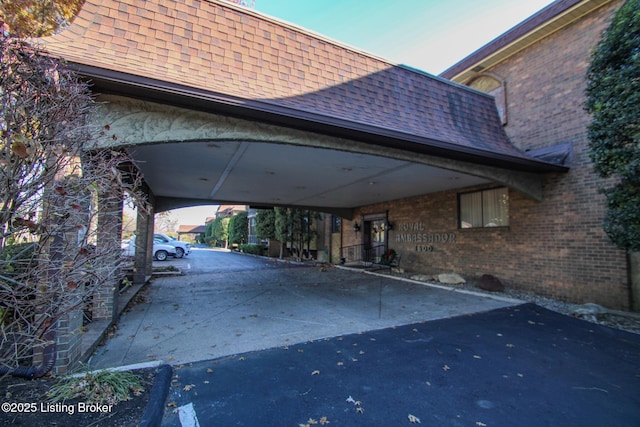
x,y
223,49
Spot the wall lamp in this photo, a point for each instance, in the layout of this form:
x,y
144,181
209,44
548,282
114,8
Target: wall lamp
x,y
356,228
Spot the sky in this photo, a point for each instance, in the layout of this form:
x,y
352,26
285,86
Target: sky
x,y
430,35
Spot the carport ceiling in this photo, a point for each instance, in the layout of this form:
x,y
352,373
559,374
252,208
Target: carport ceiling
x,y
261,173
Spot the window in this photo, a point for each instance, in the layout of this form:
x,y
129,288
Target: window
x,y
495,86
488,208
336,224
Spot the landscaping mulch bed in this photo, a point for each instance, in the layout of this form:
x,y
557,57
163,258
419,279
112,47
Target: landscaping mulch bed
x,y
25,403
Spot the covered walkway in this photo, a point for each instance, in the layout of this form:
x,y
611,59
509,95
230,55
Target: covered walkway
x,y
220,104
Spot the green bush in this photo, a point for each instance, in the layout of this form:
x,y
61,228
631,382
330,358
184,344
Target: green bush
x,y
252,249
18,259
613,100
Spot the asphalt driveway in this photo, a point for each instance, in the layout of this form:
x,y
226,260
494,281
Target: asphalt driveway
x,y
515,366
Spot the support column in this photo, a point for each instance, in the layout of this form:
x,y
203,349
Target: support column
x,y
143,260
109,235
634,279
68,340
61,248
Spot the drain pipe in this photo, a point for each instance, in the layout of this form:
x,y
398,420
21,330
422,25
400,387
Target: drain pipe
x,y
48,360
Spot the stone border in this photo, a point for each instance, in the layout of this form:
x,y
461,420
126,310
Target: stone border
x,y
435,285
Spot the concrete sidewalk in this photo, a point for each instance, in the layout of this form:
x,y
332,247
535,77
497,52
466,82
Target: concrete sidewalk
x,y
205,316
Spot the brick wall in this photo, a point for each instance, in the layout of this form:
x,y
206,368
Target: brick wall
x,y
545,98
555,247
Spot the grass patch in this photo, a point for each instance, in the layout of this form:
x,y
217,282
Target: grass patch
x,y
101,387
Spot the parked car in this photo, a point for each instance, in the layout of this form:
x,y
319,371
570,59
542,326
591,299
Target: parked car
x,y
182,248
161,251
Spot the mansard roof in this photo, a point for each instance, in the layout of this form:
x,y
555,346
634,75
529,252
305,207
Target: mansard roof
x,y
215,56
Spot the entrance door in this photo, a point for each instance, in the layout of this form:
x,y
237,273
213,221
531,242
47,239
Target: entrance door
x,y
375,238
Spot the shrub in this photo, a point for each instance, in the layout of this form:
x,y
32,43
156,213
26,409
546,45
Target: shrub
x,y
252,249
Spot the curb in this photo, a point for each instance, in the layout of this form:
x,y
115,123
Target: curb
x,y
438,286
154,410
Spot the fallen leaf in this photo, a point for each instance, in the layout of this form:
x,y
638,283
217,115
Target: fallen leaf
x,y
446,368
350,400
480,424
324,421
413,419
360,410
475,356
510,345
172,404
311,421
188,387
316,372
340,363
209,370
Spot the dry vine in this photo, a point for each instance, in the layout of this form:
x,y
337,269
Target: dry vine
x,y
60,201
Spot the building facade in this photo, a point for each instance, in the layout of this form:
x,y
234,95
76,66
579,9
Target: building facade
x,y
554,247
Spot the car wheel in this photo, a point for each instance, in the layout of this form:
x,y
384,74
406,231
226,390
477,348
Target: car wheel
x,y
161,255
179,252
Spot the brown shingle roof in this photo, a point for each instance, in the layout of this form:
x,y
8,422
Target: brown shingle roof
x,y
186,229
218,48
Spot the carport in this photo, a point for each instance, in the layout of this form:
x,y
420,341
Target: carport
x,y
218,104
